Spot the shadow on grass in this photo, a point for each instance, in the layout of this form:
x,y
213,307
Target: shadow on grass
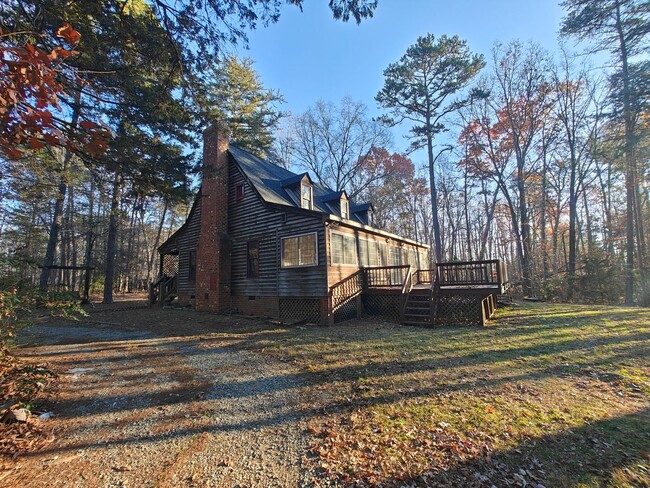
x,y
384,352
597,454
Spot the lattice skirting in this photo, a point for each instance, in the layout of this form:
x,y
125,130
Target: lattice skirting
x,y
459,310
346,310
300,309
384,305
170,264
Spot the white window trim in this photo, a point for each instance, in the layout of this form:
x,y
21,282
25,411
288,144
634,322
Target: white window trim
x,y
372,244
282,239
356,249
311,195
345,204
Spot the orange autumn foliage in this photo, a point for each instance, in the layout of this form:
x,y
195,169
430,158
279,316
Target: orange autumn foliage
x,y
30,89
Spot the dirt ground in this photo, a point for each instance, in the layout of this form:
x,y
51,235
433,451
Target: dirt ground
x,y
151,397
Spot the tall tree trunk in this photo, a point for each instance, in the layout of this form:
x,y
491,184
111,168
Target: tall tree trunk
x,y
128,274
526,248
573,209
466,212
488,224
640,236
154,250
434,199
57,216
90,238
588,223
111,240
630,161
543,238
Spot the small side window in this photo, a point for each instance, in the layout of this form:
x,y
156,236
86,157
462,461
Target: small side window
x,y
345,208
253,259
306,196
191,275
239,192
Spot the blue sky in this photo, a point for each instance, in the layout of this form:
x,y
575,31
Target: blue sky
x,y
309,56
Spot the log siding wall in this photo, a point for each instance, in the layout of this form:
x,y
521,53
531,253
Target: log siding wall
x,y
187,243
252,219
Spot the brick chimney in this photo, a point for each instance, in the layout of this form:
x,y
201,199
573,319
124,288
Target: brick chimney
x,y
213,249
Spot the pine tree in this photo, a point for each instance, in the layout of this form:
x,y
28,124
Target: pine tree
x,y
236,94
418,89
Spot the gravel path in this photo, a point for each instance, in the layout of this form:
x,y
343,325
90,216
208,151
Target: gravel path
x,y
135,409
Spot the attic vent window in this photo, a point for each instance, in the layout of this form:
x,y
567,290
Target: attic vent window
x,y
239,192
345,209
306,196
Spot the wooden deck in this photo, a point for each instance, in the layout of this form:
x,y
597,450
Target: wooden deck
x,y
452,293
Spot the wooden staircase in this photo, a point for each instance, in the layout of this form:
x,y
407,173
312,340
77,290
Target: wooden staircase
x,y
418,309
163,291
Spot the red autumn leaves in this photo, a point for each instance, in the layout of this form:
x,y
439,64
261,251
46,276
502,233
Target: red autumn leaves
x,y
30,88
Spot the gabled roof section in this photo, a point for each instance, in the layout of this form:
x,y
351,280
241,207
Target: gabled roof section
x,y
170,246
294,180
361,207
279,186
335,195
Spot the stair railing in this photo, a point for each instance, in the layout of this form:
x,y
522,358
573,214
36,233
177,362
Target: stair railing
x,y
346,289
406,289
154,290
162,288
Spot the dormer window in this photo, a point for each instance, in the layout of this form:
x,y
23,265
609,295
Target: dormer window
x,y
345,208
306,196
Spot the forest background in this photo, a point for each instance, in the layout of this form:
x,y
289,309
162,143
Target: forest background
x,y
537,158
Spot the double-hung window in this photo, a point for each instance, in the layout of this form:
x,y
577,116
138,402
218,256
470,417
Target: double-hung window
x,y
299,251
345,208
343,248
368,252
306,196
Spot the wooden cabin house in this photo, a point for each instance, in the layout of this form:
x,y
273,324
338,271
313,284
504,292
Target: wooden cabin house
x,y
265,241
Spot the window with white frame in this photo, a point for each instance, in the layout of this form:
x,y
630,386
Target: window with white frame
x,y
395,256
369,252
345,208
299,251
343,248
306,196
382,254
424,259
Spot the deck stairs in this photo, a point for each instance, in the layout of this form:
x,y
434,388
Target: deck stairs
x,y
419,307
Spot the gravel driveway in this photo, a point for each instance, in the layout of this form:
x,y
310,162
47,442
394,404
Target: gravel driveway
x,y
141,408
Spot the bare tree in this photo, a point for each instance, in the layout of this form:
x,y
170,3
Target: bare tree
x,y
335,144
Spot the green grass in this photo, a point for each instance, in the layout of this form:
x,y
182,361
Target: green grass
x,y
550,394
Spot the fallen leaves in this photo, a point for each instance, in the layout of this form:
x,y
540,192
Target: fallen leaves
x,y
23,385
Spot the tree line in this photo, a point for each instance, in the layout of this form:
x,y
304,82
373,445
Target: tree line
x,y
537,159
102,103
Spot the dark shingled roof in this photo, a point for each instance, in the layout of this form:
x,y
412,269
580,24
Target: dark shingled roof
x,y
274,184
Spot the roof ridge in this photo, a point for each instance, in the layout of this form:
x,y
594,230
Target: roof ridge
x,y
261,160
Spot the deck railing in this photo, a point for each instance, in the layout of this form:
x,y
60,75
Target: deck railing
x,y
423,276
470,273
347,288
386,276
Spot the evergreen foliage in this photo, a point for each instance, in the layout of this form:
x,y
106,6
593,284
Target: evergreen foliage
x,y
235,93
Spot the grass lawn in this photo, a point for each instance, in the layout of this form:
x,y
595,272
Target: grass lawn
x,y
547,395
